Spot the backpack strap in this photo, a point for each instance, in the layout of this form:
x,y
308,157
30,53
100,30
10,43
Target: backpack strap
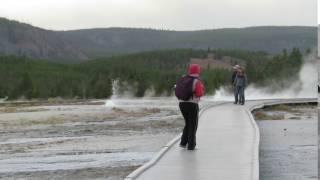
x,y
194,82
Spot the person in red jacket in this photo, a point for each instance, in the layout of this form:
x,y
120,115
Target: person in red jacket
x,y
190,109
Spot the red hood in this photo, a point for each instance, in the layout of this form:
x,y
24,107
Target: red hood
x,y
194,69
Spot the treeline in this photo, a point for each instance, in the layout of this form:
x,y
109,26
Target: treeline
x,y
156,71
22,77
264,69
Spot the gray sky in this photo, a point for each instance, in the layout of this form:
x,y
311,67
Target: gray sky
x,y
160,14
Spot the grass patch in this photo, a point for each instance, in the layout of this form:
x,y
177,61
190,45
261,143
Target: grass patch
x,y
9,110
49,121
118,110
19,110
259,115
281,107
151,110
293,108
49,102
284,107
25,123
295,118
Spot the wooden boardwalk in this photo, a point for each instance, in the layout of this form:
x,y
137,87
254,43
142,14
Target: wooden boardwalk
x,y
227,147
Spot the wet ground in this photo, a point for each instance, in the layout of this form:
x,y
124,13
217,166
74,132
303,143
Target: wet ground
x,y
289,144
108,140
96,140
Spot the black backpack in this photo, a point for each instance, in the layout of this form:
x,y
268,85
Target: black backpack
x,y
184,86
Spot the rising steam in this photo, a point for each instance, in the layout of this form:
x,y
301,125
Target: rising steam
x,y
304,87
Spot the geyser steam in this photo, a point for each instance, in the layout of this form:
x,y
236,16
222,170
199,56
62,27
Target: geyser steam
x,y
304,87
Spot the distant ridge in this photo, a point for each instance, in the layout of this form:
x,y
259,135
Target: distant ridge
x,y
23,39
81,45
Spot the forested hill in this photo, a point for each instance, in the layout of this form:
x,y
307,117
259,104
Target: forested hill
x,y
153,71
25,40
79,45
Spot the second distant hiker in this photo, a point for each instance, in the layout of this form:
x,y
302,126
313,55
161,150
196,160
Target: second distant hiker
x,y
188,90
233,78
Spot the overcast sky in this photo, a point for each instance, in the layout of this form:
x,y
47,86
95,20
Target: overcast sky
x,y
160,14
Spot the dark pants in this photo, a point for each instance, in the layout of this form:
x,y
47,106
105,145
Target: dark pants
x,y
190,113
239,94
235,94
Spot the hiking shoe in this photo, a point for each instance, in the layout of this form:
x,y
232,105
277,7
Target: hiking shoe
x,y
192,148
